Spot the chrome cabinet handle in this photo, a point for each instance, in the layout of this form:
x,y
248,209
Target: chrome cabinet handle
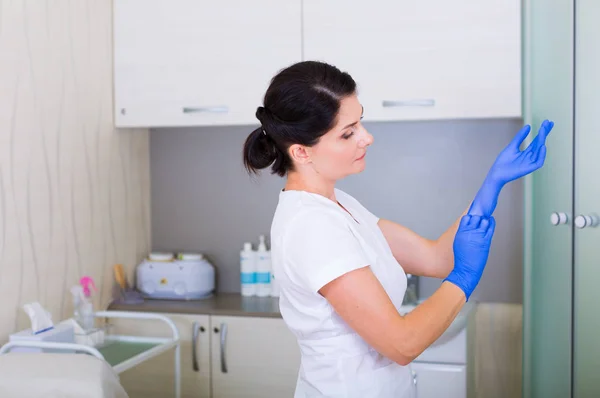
x,y
196,330
414,377
414,102
223,340
206,109
582,221
559,218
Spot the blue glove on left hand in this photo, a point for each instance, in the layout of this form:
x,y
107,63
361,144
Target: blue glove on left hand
x,y
510,165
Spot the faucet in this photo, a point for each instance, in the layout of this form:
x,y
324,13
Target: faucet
x,y
411,297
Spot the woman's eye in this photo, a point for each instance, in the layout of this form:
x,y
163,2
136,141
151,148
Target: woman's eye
x,y
348,135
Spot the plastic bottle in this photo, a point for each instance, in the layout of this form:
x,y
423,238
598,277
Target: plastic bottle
x,y
263,269
78,297
248,270
86,306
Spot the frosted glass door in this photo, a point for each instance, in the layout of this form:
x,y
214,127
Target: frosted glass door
x,y
587,200
548,272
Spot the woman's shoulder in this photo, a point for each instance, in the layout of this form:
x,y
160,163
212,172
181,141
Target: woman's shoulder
x,y
301,209
345,197
299,204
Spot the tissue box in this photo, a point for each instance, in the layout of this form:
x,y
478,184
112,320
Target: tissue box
x,y
93,337
61,333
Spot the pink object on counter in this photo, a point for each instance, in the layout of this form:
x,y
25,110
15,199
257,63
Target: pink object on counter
x,y
85,282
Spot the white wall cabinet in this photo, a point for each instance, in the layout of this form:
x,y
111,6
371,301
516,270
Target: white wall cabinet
x,y
221,357
194,62
427,59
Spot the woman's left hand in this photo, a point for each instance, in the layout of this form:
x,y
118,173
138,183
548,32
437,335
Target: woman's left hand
x,y
513,163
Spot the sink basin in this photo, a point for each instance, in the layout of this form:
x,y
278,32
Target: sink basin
x,y
459,323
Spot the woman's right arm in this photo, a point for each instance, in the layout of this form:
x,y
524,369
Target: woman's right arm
x,y
361,301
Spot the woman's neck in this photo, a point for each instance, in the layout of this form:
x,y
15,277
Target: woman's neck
x,y
298,182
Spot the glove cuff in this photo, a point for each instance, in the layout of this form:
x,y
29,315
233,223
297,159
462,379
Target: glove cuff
x,y
460,281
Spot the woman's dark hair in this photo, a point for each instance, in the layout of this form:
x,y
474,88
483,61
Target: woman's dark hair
x,y
300,105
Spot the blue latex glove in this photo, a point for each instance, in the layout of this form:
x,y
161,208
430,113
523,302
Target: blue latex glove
x,y
471,249
510,165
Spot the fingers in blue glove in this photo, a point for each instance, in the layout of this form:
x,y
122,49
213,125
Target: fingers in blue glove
x,y
520,137
471,250
540,140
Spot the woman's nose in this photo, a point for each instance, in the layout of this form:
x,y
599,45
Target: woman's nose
x,y
366,139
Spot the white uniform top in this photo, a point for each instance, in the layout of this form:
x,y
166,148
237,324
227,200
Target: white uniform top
x,y
314,241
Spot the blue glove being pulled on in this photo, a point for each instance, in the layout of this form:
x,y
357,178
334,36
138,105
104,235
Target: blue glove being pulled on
x,y
510,165
471,249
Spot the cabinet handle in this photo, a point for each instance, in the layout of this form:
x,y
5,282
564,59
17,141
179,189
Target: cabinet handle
x,y
223,339
414,377
415,102
196,330
207,109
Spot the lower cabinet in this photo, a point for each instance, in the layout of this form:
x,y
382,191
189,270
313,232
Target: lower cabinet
x,y
440,380
221,357
253,358
250,357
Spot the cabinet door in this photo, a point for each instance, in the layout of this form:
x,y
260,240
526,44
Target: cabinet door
x,y
155,377
253,357
191,62
427,59
439,380
586,354
548,275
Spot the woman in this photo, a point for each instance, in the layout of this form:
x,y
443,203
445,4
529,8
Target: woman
x,y
342,270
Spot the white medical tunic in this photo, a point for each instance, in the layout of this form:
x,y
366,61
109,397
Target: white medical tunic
x,y
314,241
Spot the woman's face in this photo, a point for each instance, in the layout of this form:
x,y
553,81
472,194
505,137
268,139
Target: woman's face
x,y
341,151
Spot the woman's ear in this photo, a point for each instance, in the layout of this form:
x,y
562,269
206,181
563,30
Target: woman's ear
x,y
299,154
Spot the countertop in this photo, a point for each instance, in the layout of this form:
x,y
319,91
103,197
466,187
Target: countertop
x,y
228,304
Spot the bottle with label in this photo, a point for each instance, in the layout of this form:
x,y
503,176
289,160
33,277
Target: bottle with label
x,y
263,269
248,270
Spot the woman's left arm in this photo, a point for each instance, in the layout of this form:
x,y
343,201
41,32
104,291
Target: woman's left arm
x,y
424,257
418,255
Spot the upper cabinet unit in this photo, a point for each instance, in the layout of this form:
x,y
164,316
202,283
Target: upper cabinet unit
x,y
426,59
194,62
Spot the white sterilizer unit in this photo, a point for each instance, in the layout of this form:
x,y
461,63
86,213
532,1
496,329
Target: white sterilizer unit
x,y
189,276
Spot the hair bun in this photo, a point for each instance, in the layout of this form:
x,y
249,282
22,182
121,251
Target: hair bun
x,y
260,113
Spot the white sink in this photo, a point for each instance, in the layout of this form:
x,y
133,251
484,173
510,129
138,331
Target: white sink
x,y
459,323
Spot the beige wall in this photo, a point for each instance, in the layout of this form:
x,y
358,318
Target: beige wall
x,y
74,192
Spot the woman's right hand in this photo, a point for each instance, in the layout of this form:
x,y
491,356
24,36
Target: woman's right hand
x,y
471,249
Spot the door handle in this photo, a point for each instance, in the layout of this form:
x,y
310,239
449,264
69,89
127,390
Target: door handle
x,y
196,330
559,218
223,340
582,221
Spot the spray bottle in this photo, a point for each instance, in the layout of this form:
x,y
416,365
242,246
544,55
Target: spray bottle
x,y
86,306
